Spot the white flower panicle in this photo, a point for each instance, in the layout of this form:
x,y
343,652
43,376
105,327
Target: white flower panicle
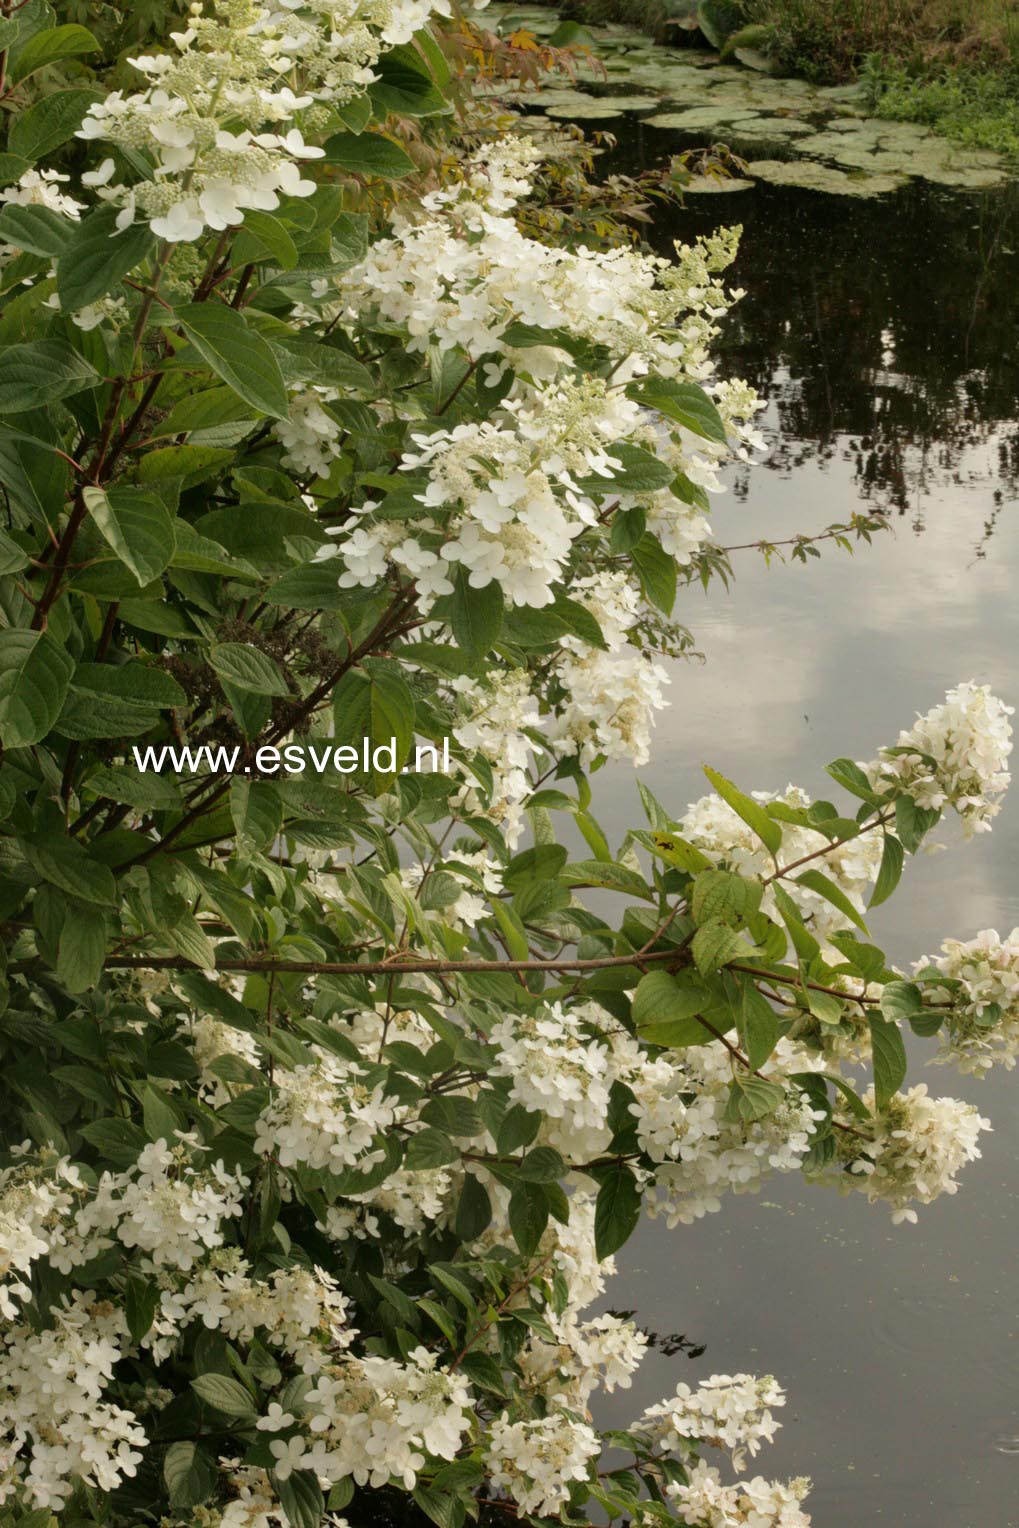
x,y
981,1026
219,115
56,1427
326,1115
535,1461
706,1502
378,1420
919,1145
956,755
731,1412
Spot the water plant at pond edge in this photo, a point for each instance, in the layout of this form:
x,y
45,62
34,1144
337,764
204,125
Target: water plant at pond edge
x,y
328,1099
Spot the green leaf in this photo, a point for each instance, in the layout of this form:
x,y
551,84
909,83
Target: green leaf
x,y
246,668
37,229
137,526
190,1474
35,672
257,813
368,154
542,863
82,948
141,1301
752,1098
752,813
852,778
301,1499
162,1118
50,46
684,402
889,1054
758,1026
723,896
814,880
665,1009
224,1394
66,863
890,873
901,1000
263,235
716,945
473,1211
391,719
35,133
639,471
528,1216
913,823
243,359
476,616
616,1212
97,257
429,1148
657,571
34,375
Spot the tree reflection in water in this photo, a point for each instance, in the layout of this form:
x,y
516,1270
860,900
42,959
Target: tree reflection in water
x,y
883,333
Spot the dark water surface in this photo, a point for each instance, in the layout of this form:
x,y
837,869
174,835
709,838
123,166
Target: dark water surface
x,y
884,336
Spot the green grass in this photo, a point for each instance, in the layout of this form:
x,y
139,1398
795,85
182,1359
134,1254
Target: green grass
x,y
975,106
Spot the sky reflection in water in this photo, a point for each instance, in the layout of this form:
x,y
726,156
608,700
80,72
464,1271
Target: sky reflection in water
x,y
885,337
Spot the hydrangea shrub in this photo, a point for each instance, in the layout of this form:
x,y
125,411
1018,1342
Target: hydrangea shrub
x,y
328,1097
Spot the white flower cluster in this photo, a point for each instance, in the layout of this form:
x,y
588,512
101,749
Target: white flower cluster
x,y
298,1311
956,755
600,1354
496,717
714,827
35,1201
164,1206
378,1420
209,113
981,1027
919,1145
712,1156
211,1041
706,1502
325,1115
56,1428
310,436
536,1461
726,1411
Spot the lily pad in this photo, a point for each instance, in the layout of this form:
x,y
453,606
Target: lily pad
x,y
596,111
701,119
715,185
810,176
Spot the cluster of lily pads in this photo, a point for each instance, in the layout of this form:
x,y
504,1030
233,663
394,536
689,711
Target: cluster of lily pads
x,y
789,132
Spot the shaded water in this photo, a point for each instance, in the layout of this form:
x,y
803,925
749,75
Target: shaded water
x,y
884,335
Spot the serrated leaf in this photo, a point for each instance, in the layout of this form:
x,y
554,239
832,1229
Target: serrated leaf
x,y
137,526
301,1499
34,375
890,873
190,1474
528,1216
815,880
477,616
242,358
224,1394
35,133
889,1056
50,46
752,813
368,154
715,945
247,668
96,258
35,672
616,1212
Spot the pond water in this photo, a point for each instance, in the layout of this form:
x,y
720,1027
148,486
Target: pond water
x,y
884,336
